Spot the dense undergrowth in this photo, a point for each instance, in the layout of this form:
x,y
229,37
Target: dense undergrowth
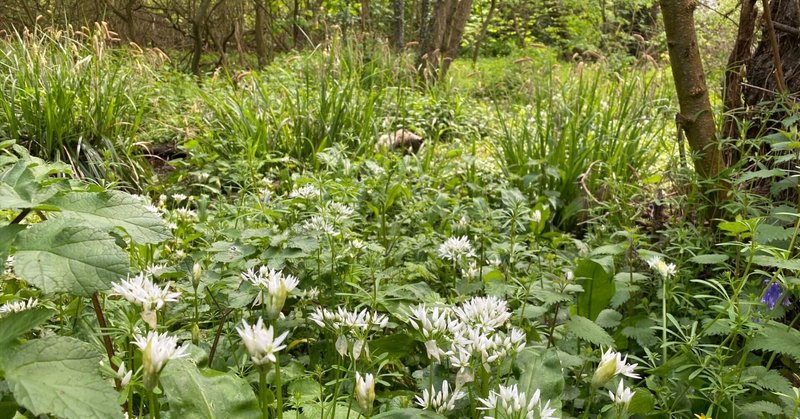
x,y
540,256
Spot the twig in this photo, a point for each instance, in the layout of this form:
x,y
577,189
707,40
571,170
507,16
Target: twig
x,y
18,219
776,54
216,336
101,320
786,28
582,181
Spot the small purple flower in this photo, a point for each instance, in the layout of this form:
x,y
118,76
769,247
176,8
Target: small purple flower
x,y
773,294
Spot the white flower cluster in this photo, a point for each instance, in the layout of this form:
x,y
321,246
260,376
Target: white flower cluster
x,y
306,192
352,327
469,333
319,225
17,306
664,269
456,249
510,403
273,286
157,349
142,291
261,343
440,402
612,364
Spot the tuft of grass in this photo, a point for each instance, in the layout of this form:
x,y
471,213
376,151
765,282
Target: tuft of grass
x,y
571,134
67,96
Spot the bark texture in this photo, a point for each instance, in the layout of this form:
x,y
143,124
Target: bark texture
x,y
734,72
695,118
761,69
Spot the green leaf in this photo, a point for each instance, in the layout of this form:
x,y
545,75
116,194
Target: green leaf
x,y
7,234
59,376
541,369
773,262
20,189
396,345
761,174
14,325
598,288
608,318
57,257
642,402
408,413
777,337
709,259
587,330
113,209
768,233
761,407
194,393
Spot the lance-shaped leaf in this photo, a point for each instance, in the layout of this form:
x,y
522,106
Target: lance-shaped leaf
x,y
57,257
59,376
113,209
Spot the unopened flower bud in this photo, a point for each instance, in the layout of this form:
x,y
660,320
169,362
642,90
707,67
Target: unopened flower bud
x,y
197,273
365,391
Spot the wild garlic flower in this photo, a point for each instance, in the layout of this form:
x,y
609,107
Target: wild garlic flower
x,y
456,249
365,391
612,364
358,321
340,211
186,214
123,375
261,343
623,396
486,313
441,402
536,216
433,325
664,269
179,197
18,306
273,286
157,350
485,347
306,192
510,403
318,224
141,290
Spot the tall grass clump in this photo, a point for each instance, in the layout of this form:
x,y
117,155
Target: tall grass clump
x,y
303,104
67,96
575,133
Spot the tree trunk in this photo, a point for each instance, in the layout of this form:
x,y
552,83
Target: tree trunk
x,y
442,32
261,48
695,118
484,29
398,24
198,30
761,74
365,15
740,55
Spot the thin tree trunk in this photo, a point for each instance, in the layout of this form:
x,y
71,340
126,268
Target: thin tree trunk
x,y
458,23
261,48
198,30
695,117
484,29
398,24
365,15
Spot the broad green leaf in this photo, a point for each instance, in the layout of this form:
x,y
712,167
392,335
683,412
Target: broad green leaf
x,y
709,259
7,234
541,370
642,402
777,337
59,376
113,209
761,174
20,188
598,288
762,407
587,330
396,345
408,413
194,393
14,325
57,257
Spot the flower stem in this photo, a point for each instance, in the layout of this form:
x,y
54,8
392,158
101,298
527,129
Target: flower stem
x,y
262,391
278,390
664,321
155,409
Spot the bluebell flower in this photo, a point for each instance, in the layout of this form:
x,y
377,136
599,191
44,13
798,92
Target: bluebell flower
x,y
773,294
